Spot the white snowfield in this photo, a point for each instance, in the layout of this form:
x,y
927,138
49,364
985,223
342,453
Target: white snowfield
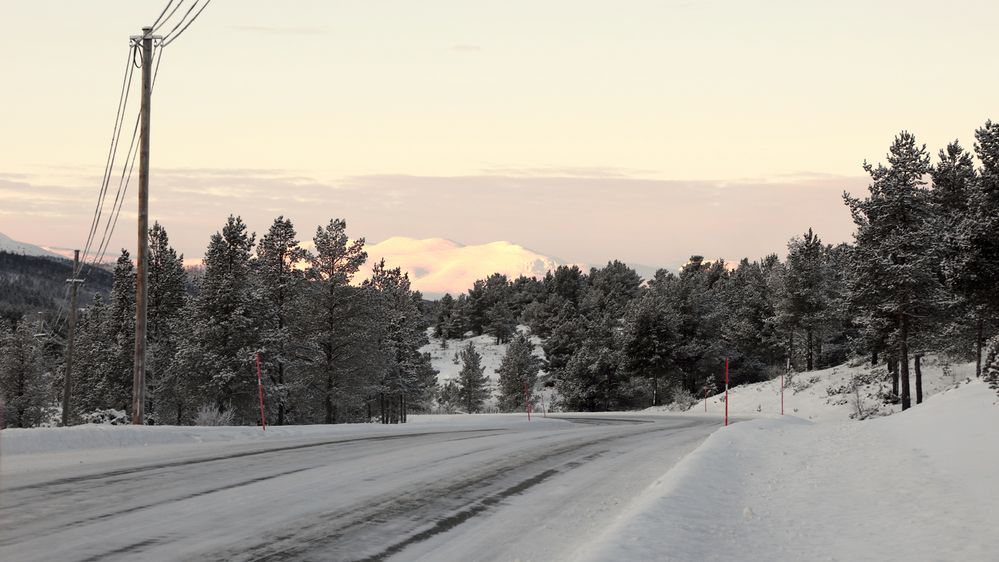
x,y
920,485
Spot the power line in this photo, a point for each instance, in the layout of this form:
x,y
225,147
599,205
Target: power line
x,y
115,209
181,22
170,37
165,8
112,152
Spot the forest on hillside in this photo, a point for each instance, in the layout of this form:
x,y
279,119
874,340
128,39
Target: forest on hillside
x,y
920,277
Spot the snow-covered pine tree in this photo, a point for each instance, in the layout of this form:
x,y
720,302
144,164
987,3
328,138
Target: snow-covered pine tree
x,y
518,368
803,302
471,380
92,354
167,296
649,342
340,326
893,268
281,285
408,378
119,332
24,386
218,349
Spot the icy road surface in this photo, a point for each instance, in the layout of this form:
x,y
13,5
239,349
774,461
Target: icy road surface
x,y
497,488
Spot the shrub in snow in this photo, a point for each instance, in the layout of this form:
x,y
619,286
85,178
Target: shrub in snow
x,y
683,400
109,416
990,366
209,415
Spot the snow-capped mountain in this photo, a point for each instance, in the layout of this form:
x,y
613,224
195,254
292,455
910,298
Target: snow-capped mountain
x,y
9,245
437,265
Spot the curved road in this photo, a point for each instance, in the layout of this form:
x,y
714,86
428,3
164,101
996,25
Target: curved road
x,y
506,491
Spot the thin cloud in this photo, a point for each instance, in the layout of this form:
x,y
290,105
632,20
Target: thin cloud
x,y
275,30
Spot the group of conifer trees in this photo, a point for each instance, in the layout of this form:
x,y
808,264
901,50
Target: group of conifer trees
x,y
920,277
331,351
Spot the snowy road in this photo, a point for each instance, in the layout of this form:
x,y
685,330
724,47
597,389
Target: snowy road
x,y
498,489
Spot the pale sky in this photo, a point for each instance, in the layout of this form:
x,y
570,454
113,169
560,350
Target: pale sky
x,y
639,130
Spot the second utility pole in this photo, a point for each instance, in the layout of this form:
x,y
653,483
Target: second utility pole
x,y
141,274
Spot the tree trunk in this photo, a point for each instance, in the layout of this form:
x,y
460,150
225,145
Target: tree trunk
x,y
328,399
919,378
280,420
978,345
903,360
655,389
818,350
790,348
893,369
809,363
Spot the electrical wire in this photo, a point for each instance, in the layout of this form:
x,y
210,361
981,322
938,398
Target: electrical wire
x,y
170,37
115,209
165,8
181,22
112,152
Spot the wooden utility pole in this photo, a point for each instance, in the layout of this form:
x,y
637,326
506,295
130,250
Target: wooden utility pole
x,y
141,273
70,336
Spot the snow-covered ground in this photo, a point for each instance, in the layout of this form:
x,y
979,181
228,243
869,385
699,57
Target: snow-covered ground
x,y
919,485
492,354
828,395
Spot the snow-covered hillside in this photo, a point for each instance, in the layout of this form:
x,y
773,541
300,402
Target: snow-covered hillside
x,y
437,266
8,244
919,485
828,394
492,354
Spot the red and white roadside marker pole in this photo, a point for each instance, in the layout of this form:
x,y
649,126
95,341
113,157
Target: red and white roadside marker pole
x,y
726,391
260,389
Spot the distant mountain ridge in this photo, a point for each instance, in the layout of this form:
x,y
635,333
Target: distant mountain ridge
x,y
11,246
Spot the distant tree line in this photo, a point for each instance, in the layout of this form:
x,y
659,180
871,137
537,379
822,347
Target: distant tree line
x,y
920,277
331,351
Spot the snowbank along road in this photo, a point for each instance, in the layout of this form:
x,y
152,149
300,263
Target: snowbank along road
x,y
492,488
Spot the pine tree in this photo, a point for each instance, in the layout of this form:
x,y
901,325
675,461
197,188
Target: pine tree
x,y
281,284
408,377
219,348
650,340
893,267
24,386
517,372
341,326
119,332
167,296
803,293
472,381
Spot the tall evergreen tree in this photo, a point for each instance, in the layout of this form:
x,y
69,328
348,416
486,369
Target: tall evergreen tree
x,y
24,386
219,348
472,381
893,275
518,372
281,284
167,296
340,325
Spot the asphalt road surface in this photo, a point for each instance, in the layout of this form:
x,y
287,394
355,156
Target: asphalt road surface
x,y
524,491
